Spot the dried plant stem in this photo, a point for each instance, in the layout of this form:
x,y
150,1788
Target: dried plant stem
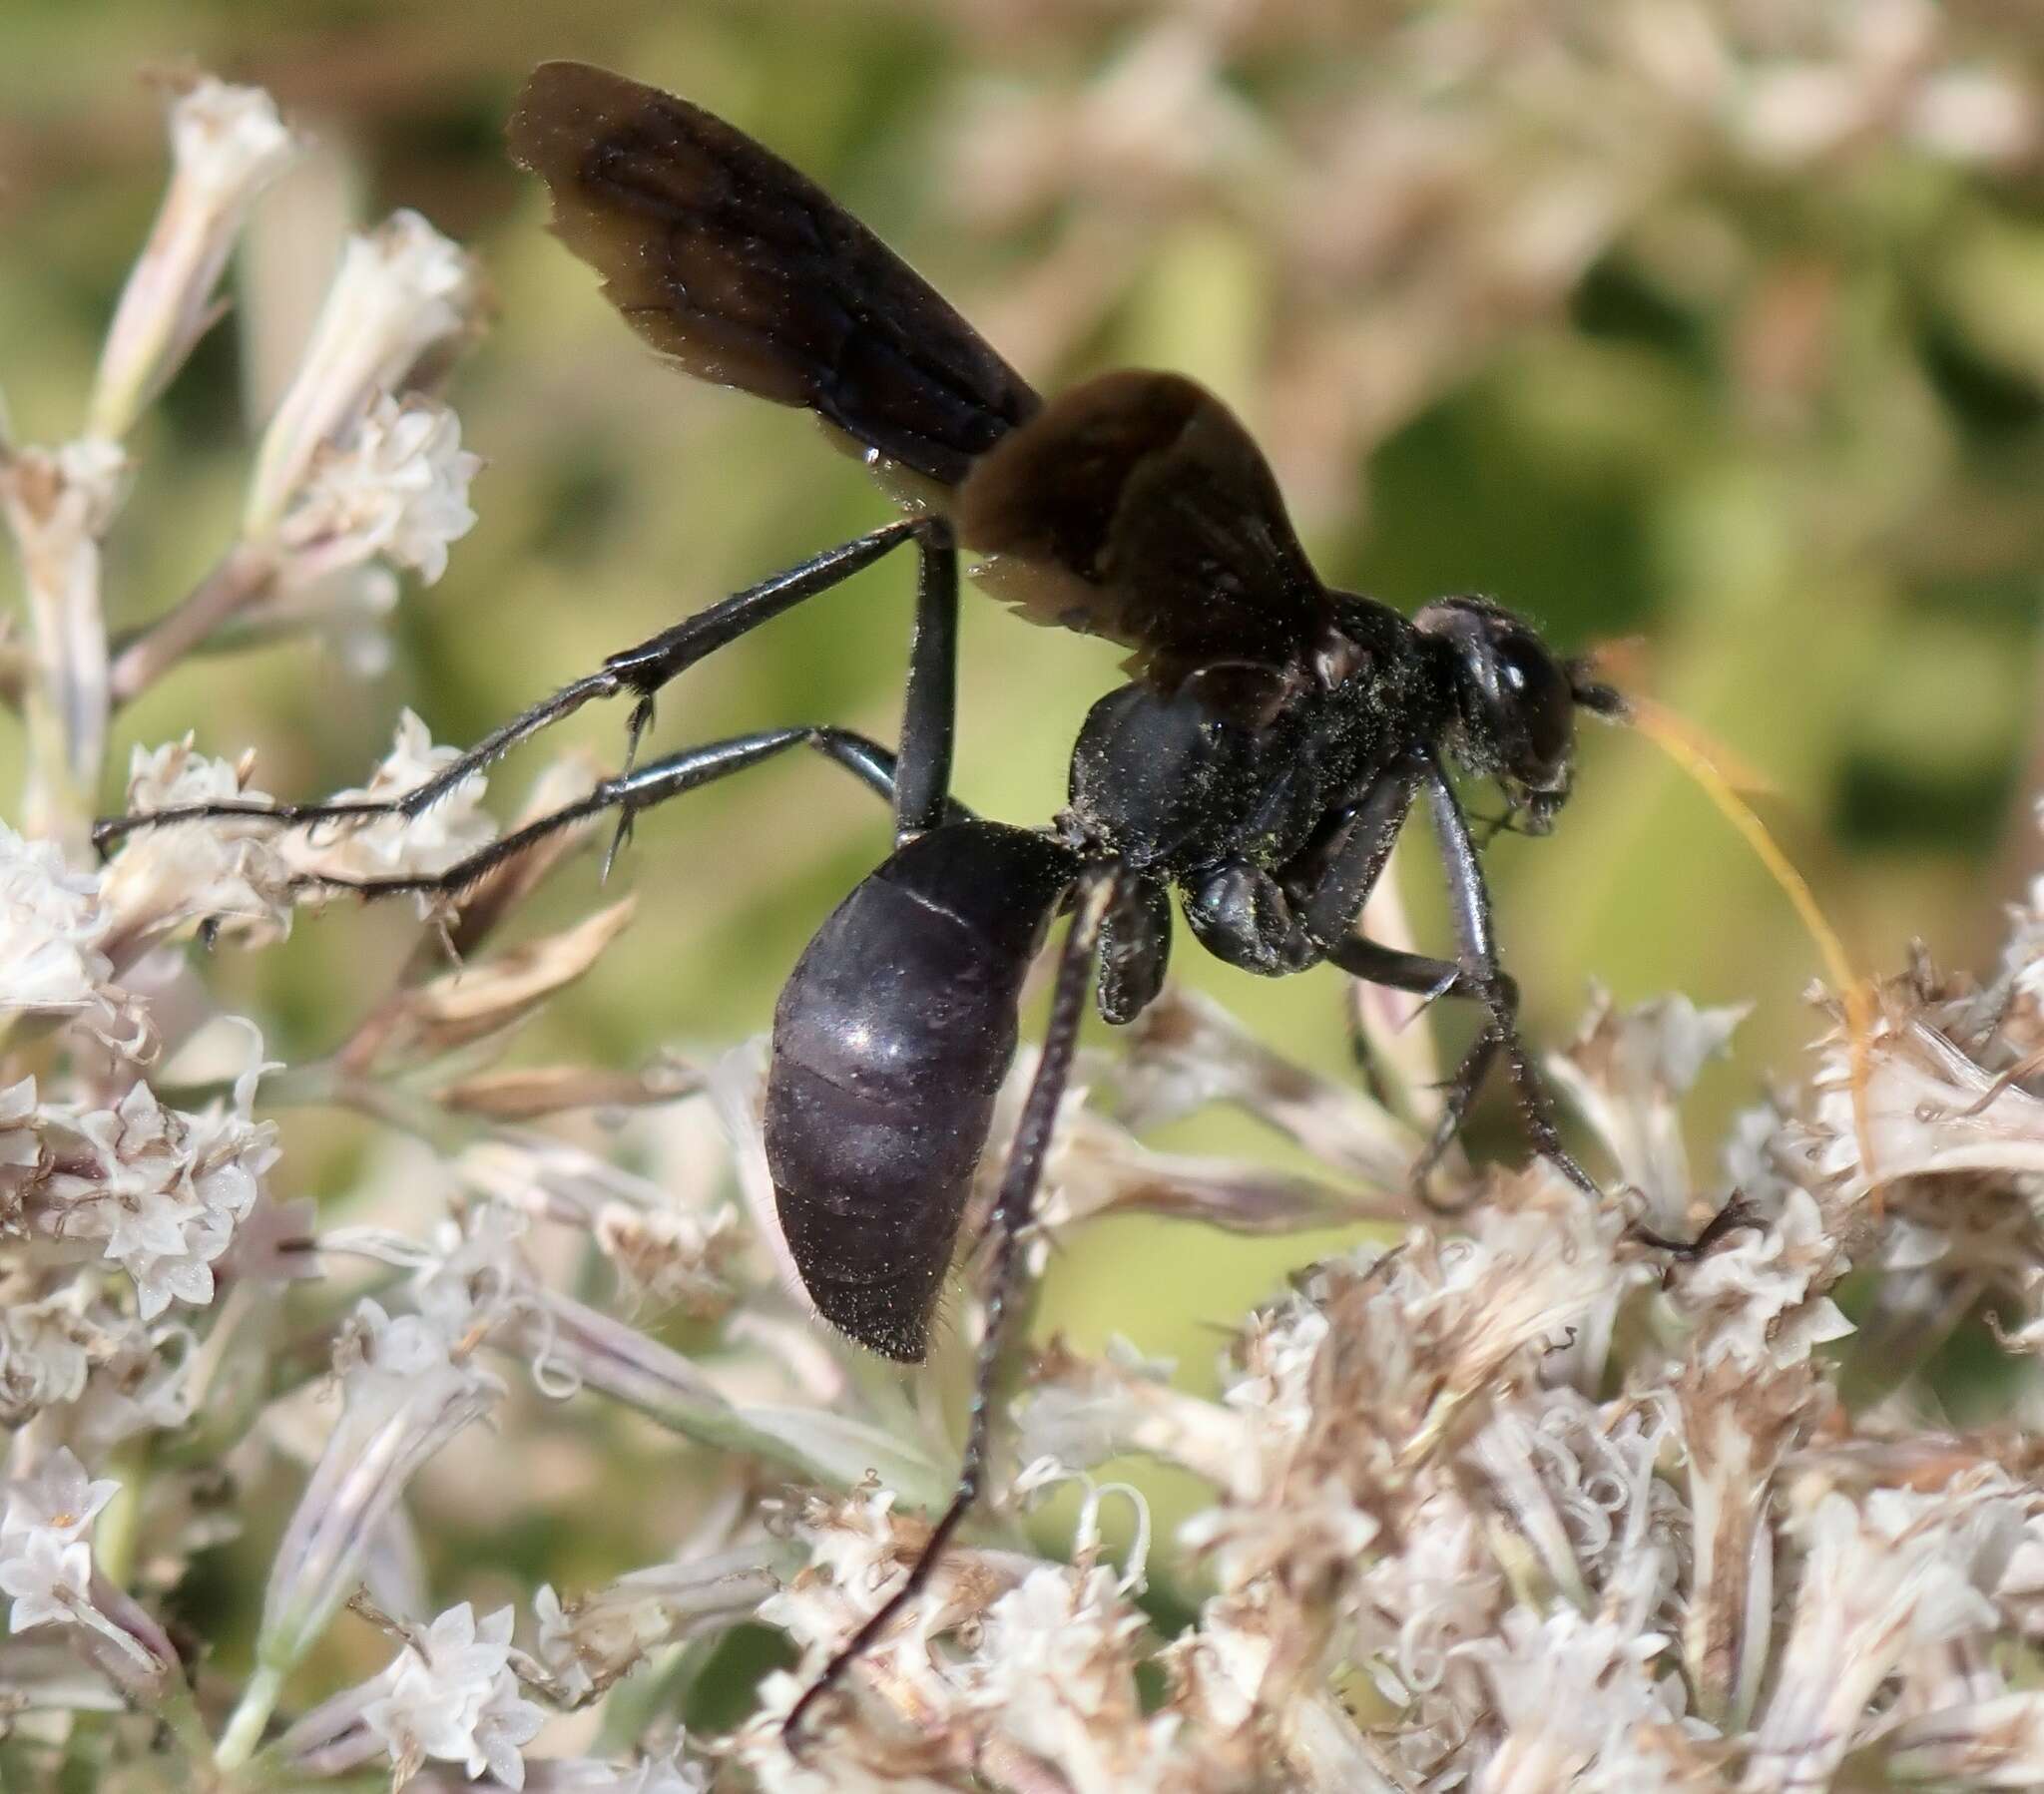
x,y
243,578
63,703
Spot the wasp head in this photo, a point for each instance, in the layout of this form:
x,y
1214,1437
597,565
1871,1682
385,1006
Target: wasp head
x,y
1514,702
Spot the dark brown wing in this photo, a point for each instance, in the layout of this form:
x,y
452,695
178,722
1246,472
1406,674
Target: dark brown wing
x,y
748,273
1137,507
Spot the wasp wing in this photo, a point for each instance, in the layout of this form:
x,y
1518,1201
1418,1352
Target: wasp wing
x,y
747,273
1137,507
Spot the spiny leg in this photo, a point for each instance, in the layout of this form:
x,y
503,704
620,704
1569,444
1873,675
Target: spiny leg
x,y
655,663
872,765
1351,873
1288,923
1469,906
1478,956
1429,977
1013,1206
1475,975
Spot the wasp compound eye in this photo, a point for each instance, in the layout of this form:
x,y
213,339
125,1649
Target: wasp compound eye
x,y
1536,709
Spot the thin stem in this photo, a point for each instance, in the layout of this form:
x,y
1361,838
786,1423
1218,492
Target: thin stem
x,y
115,1535
180,1714
241,579
244,1731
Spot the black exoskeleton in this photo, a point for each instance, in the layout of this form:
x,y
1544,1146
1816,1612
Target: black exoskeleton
x,y
1259,765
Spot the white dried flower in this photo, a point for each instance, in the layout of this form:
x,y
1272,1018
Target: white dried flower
x,y
21,1138
229,871
1577,1483
46,1564
397,486
1627,1071
44,1351
53,927
1737,1424
669,1773
588,1642
1881,1578
1057,1669
226,145
450,1694
58,1498
400,289
1992,1743
398,846
143,1385
1757,1299
1926,1109
161,1189
671,1259
855,1561
58,506
2020,1590
57,499
863,1760
1568,1691
404,1394
48,1577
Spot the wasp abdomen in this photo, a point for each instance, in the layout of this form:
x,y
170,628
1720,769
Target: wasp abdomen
x,y
890,1042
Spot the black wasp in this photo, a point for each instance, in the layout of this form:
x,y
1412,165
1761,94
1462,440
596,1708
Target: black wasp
x,y
1260,762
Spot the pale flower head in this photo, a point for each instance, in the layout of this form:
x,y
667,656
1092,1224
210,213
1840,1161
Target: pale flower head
x,y
226,145
1882,1579
396,487
58,506
1568,1691
1926,1110
862,1759
161,1190
588,1642
57,1498
1626,1073
48,1577
46,1568
53,930
1997,1742
855,1561
1056,1673
450,1694
405,1391
45,1351
59,501
395,846
1758,1298
400,289
229,871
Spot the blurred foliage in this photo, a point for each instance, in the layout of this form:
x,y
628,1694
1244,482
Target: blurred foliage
x,y
1776,424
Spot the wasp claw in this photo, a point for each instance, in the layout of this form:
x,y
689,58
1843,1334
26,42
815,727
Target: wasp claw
x,y
635,731
1736,1214
617,846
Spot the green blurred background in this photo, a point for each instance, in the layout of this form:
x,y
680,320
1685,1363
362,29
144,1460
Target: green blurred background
x,y
1559,301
